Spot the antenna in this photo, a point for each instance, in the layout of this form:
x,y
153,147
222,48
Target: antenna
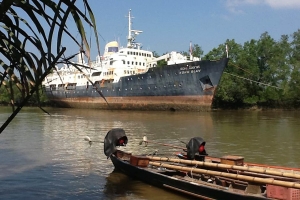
x,y
129,29
132,33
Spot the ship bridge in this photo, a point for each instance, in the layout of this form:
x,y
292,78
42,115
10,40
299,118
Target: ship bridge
x,y
111,48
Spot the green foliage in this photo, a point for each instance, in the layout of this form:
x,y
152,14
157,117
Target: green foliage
x,y
260,72
160,62
196,51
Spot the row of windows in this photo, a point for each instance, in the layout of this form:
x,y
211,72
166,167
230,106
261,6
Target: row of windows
x,y
129,72
108,73
132,63
138,54
137,63
73,87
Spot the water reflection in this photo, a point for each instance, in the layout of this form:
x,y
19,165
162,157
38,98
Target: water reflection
x,y
120,186
48,153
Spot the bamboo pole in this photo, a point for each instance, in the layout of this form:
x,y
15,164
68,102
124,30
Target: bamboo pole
x,y
276,167
225,166
228,175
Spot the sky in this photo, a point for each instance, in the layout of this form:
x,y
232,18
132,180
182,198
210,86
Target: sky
x,y
170,25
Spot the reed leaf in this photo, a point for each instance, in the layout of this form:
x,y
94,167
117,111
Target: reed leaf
x,y
26,42
91,14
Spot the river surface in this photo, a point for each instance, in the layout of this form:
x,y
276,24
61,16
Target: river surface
x,y
45,156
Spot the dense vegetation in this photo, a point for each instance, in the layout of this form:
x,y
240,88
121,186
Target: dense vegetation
x,y
261,73
6,96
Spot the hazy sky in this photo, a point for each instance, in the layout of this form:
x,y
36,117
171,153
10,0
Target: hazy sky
x,y
171,25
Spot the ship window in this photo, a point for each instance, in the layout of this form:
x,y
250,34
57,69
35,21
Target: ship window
x,y
127,52
96,74
112,49
111,62
140,63
123,62
81,76
121,51
143,64
128,62
78,76
139,54
136,63
132,63
124,71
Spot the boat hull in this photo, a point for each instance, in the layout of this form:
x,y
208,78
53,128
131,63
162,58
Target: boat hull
x,y
187,86
181,186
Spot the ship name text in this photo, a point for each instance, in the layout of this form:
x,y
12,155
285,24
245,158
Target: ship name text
x,y
189,69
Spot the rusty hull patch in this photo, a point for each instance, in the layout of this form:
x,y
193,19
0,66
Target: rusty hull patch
x,y
180,103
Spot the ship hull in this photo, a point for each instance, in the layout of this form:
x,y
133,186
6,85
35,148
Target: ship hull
x,y
187,86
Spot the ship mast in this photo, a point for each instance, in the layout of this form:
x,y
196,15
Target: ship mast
x,y
129,30
132,34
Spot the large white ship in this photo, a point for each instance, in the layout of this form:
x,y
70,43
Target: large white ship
x,y
129,78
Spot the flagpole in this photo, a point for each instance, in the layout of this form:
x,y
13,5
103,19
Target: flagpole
x,y
227,50
191,51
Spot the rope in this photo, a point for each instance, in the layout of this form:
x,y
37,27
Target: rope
x,y
253,80
242,69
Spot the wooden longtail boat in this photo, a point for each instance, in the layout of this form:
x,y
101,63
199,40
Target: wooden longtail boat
x,y
227,179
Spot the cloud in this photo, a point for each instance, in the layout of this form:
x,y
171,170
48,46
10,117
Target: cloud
x,y
236,6
283,3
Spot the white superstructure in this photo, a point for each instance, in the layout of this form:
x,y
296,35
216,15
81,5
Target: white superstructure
x,y
115,63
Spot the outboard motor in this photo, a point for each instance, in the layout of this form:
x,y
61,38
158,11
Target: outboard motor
x,y
115,137
195,146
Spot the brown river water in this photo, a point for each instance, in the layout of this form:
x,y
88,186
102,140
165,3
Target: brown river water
x,y
45,156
